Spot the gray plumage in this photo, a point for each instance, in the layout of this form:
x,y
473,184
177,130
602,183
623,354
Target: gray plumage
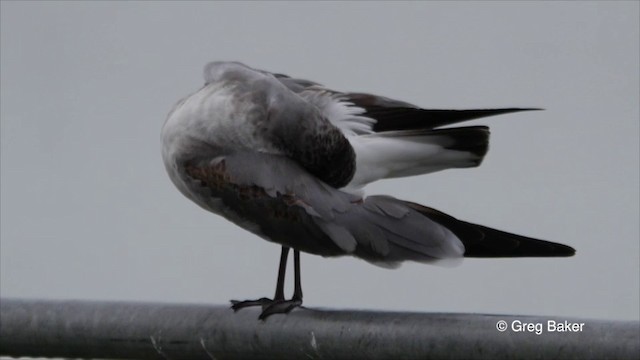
x,y
287,159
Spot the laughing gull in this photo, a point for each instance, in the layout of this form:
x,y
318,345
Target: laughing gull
x,y
287,160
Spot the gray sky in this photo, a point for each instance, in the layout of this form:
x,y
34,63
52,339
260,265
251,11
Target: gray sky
x,y
88,212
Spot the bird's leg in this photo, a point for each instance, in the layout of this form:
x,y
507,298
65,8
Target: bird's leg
x,y
279,305
279,295
297,291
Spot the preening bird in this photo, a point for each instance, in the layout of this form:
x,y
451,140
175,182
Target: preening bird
x,y
287,159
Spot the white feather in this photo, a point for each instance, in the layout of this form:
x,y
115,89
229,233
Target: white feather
x,y
342,114
380,157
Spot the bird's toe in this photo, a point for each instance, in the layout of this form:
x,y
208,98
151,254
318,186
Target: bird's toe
x,y
237,305
279,307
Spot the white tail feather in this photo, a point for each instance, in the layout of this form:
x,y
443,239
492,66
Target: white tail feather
x,y
379,156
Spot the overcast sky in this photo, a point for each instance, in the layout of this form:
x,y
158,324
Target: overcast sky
x,y
88,212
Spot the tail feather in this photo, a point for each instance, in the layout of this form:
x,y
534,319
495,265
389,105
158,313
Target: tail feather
x,y
472,139
417,152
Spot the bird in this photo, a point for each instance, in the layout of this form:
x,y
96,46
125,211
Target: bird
x,y
288,159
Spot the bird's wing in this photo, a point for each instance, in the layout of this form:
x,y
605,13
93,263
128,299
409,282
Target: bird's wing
x,y
394,115
384,114
281,201
392,138
271,113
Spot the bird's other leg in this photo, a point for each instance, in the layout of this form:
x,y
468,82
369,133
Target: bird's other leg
x,y
284,306
279,295
297,291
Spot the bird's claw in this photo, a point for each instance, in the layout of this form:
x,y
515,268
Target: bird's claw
x,y
269,306
237,305
279,307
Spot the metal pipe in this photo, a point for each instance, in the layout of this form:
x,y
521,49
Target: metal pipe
x,y
122,330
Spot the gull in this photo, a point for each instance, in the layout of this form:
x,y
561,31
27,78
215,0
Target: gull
x,y
288,159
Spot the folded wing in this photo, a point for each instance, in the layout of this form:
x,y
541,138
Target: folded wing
x,y
279,200
393,138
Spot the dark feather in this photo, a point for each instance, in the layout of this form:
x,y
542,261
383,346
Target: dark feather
x,y
496,243
396,118
473,139
483,242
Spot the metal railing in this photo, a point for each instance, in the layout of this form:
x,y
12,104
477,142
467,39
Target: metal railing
x,y
122,330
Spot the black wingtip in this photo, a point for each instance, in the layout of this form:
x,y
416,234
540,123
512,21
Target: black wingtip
x,y
525,109
564,250
448,117
395,118
485,242
470,114
498,249
496,243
